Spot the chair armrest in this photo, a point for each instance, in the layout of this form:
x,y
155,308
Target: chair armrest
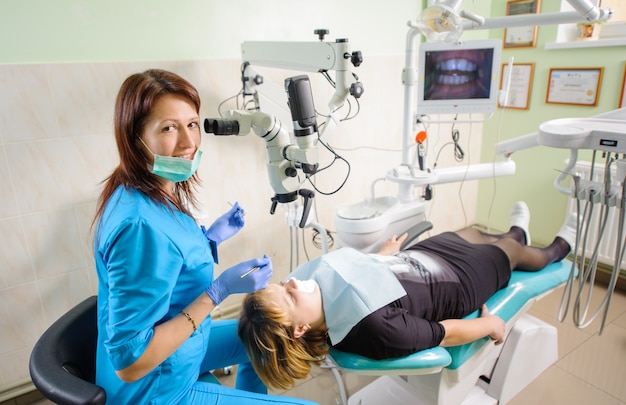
x,y
414,232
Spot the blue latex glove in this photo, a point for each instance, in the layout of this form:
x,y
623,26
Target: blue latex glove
x,y
225,226
239,279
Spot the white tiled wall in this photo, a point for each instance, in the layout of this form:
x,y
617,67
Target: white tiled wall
x,y
56,146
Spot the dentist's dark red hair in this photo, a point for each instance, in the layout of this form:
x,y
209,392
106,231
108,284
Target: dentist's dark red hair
x,y
136,99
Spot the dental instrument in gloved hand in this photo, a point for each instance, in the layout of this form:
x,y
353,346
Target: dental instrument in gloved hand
x,y
255,268
225,226
241,278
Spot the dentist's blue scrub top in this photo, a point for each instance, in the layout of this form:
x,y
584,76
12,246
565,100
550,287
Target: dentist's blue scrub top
x,y
151,262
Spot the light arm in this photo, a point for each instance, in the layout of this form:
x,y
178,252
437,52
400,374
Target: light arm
x,y
442,21
523,20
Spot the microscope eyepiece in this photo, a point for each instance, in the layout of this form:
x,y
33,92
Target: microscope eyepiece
x,y
221,126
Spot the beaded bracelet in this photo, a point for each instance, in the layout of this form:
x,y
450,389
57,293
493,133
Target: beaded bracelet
x,y
193,323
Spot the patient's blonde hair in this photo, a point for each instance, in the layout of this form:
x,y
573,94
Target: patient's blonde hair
x,y
267,334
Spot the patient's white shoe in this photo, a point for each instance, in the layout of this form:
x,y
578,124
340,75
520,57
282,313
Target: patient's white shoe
x,y
520,216
568,230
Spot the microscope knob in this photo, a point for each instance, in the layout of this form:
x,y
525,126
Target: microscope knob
x,y
291,172
320,32
356,58
356,89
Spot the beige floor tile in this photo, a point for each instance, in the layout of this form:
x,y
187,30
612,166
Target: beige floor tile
x,y
354,383
316,371
550,305
557,387
601,361
322,389
226,377
569,336
621,321
311,387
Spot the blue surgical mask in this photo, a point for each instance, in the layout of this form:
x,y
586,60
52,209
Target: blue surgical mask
x,y
173,168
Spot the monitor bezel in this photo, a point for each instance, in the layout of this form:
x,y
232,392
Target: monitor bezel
x,y
459,106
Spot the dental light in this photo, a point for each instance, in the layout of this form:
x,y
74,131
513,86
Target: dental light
x,y
442,22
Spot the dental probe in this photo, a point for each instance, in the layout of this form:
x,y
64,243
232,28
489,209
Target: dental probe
x,y
240,210
255,268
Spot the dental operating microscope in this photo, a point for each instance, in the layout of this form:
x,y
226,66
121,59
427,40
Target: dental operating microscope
x,y
291,160
285,160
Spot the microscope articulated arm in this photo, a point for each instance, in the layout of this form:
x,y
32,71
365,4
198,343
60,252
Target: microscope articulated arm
x,y
284,158
316,56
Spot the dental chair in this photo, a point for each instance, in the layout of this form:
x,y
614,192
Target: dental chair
x,y
475,373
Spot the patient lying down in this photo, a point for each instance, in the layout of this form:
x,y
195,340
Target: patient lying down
x,y
390,304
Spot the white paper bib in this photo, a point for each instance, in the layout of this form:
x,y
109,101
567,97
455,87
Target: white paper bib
x,y
353,285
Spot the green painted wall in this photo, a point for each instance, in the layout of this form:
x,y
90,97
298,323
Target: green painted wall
x,y
45,31
537,167
40,31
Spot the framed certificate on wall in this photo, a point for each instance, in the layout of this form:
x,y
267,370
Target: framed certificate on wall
x,y
518,80
521,37
574,86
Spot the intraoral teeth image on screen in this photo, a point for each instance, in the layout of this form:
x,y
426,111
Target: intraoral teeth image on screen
x,y
458,78
458,74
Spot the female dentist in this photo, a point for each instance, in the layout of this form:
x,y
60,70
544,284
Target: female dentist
x,y
155,265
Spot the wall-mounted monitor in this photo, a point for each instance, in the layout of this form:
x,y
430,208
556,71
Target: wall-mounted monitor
x,y
459,78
